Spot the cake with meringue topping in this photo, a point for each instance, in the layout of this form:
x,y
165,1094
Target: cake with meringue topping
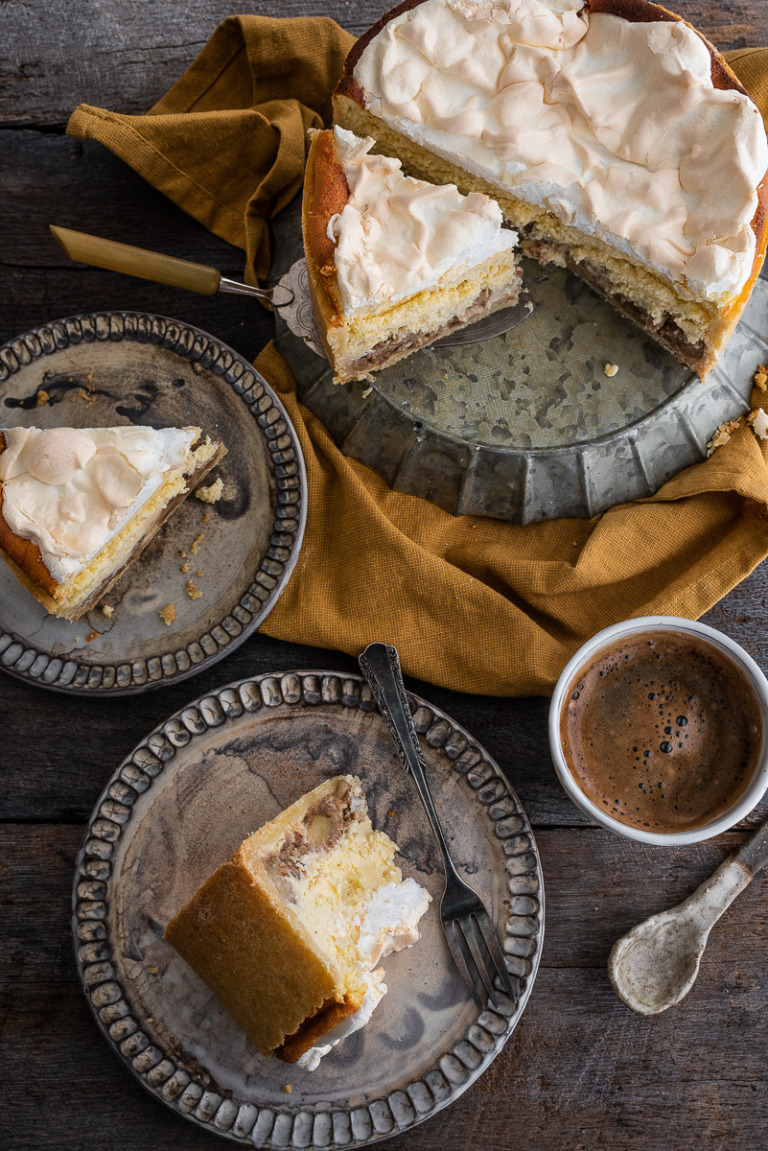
x,y
78,505
613,135
287,933
395,263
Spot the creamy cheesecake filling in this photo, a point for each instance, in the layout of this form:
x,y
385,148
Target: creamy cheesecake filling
x,y
70,491
611,126
397,235
339,878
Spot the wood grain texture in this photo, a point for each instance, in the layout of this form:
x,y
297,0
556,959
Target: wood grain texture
x,y
124,54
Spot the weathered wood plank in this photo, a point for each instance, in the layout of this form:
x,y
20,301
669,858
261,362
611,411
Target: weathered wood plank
x,y
580,1072
124,54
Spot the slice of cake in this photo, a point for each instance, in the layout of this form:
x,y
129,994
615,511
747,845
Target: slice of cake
x,y
395,263
77,505
288,931
615,138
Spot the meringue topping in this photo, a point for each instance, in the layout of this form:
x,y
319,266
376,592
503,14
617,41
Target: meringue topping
x,y
70,490
397,235
613,126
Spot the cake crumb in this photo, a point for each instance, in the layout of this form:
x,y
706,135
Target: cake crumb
x,y
611,369
182,553
367,393
107,610
89,377
42,398
199,573
185,568
212,493
90,638
722,435
167,614
88,396
287,1088
153,970
192,591
760,378
197,543
206,517
758,421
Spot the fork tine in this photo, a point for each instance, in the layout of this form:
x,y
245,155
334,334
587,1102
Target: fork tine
x,y
491,941
473,936
462,958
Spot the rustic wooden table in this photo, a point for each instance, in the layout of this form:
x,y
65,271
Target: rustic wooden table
x,y
581,1071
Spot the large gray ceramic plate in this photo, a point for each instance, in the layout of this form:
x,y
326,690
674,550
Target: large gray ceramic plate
x,y
181,804
117,368
526,426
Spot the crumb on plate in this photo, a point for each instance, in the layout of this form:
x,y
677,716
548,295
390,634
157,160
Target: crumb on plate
x,y
212,492
167,614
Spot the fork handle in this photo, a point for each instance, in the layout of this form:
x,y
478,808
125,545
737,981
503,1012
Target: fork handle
x,y
380,665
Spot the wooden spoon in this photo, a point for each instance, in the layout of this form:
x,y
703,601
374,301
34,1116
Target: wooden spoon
x,y
655,965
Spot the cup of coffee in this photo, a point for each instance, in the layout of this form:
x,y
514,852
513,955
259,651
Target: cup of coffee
x,y
658,729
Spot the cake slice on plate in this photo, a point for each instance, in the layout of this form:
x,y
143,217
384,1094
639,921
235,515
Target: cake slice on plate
x,y
288,931
615,137
78,505
395,263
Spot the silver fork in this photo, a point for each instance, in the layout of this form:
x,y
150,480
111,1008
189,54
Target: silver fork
x,y
468,930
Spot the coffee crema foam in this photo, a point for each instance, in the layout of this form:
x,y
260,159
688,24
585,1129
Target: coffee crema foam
x,y
662,731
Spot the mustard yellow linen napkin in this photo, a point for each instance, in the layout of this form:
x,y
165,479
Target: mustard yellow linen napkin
x,y
473,604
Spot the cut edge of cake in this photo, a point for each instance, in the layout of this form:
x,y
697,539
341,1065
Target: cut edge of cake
x,y
270,935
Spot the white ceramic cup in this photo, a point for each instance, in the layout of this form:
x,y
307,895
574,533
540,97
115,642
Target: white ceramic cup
x,y
656,623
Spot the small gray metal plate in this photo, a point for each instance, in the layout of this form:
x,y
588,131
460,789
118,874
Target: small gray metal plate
x,y
114,368
527,426
182,803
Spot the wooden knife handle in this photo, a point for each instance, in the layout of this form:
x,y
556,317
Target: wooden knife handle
x,y
137,262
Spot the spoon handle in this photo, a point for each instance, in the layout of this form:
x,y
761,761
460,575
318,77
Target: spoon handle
x,y
753,855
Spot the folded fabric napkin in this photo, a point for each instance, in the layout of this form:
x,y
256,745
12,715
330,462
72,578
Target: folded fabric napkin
x,y
472,603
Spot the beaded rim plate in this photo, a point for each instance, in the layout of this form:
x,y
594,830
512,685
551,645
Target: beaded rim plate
x,y
222,566
182,802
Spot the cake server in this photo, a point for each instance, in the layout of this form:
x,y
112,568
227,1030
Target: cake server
x,y
469,932
290,297
655,965
161,269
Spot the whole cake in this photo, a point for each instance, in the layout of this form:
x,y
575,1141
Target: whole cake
x,y
287,933
395,263
615,138
77,505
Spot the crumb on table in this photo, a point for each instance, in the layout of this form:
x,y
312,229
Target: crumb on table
x,y
192,591
42,398
196,543
167,614
287,1088
107,610
611,369
760,378
211,493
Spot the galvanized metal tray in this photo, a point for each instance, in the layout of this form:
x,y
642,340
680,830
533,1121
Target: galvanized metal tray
x,y
528,426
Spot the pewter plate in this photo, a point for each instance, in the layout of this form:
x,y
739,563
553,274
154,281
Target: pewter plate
x,y
527,426
115,368
181,804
